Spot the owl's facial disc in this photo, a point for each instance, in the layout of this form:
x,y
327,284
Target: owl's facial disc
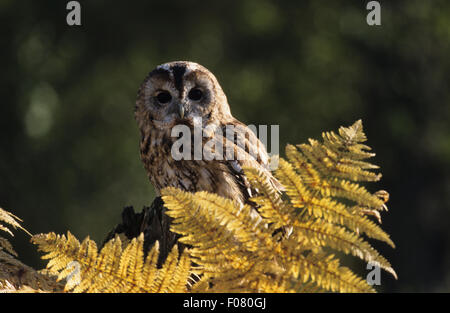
x,y
192,89
178,92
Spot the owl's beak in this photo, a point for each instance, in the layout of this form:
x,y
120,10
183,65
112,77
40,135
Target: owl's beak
x,y
181,109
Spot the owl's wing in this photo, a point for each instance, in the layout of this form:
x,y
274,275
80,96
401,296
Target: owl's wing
x,y
248,151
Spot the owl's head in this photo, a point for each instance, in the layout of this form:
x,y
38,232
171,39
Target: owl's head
x,y
176,92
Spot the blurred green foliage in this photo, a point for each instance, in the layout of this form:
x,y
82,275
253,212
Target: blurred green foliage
x,y
69,155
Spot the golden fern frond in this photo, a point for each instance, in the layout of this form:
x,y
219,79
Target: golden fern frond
x,y
113,269
231,244
293,184
325,184
306,261
324,207
320,233
321,178
337,213
10,219
340,155
7,218
325,271
15,276
348,144
230,263
215,221
277,212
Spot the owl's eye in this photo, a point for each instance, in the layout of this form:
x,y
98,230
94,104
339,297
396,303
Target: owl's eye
x,y
195,94
163,97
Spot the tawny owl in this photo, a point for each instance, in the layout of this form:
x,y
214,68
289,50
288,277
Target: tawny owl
x,y
187,94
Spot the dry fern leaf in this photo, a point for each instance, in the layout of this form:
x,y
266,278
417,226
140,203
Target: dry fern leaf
x,y
14,275
321,179
324,207
7,218
231,246
226,255
113,269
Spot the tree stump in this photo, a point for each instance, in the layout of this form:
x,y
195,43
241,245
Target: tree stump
x,y
155,225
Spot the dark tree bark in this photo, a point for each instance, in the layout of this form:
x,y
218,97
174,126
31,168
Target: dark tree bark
x,y
155,225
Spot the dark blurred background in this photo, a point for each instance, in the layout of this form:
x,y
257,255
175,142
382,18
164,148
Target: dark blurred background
x,y
69,157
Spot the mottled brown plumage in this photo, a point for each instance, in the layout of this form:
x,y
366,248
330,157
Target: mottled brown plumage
x,y
178,93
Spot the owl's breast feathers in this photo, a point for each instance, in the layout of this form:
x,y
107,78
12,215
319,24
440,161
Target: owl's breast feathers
x,y
221,175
